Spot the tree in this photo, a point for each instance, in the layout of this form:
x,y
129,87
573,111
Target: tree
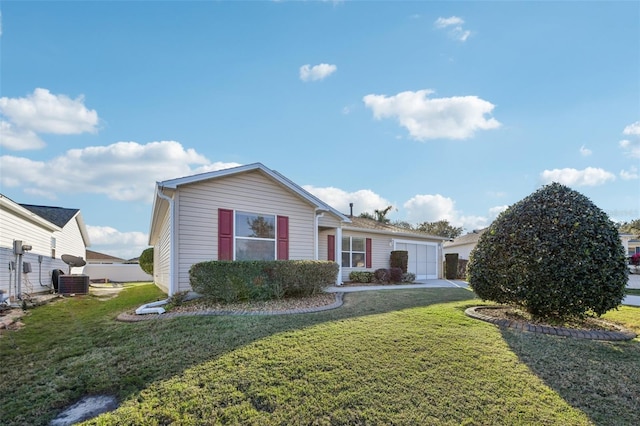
x,y
632,227
441,228
554,254
381,215
146,261
367,215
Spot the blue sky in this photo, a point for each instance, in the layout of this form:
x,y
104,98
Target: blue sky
x,y
445,110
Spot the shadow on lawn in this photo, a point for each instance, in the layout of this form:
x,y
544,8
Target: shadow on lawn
x,y
600,378
65,354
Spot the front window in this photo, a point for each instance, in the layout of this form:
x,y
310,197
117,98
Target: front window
x,y
353,252
255,236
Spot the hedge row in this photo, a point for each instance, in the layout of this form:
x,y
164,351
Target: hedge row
x,y
231,281
382,276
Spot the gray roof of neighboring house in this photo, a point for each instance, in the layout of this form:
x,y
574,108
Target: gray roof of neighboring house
x,y
59,216
387,228
470,238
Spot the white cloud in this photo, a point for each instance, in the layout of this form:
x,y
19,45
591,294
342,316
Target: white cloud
x,y
457,117
630,174
590,176
631,148
316,72
495,211
363,200
125,171
125,245
431,208
18,139
454,25
632,129
43,112
585,152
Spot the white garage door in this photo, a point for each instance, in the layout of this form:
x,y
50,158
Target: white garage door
x,y
423,259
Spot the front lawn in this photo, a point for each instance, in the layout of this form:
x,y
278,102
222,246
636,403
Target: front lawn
x,y
386,357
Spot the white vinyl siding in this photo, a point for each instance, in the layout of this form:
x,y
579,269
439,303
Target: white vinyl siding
x,y
69,241
197,216
380,252
33,231
162,255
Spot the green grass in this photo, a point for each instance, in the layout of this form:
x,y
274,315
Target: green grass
x,y
386,357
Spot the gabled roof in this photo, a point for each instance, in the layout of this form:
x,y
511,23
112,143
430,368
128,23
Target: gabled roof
x,y
470,238
18,210
60,216
321,205
372,225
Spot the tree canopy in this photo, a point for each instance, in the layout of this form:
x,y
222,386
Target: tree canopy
x,y
146,261
554,253
441,228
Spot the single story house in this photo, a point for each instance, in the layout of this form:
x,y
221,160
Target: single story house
x,y
464,244
252,212
36,237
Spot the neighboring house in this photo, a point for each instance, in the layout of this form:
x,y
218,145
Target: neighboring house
x,y
46,233
103,267
633,246
464,244
253,212
94,257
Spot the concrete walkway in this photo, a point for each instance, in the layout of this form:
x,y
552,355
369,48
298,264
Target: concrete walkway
x,y
634,282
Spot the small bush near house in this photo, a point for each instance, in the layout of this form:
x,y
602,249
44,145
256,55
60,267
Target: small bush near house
x,y
554,254
409,277
231,281
382,275
361,276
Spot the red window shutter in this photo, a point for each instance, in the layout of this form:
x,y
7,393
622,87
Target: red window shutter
x,y
225,234
283,237
368,253
331,248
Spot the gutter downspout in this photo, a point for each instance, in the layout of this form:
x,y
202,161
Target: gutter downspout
x,y
155,307
172,284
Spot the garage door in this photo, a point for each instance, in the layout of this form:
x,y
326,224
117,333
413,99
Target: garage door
x,y
423,259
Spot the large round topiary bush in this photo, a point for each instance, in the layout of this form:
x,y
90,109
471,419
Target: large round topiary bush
x,y
554,254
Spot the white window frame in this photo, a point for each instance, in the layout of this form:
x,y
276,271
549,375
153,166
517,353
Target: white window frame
x,y
352,252
237,238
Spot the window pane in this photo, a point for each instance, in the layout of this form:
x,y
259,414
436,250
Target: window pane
x,y
255,226
345,260
357,260
255,250
346,246
358,244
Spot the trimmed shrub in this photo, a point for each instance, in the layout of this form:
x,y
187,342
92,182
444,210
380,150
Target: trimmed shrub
x,y
146,261
408,277
361,276
230,281
395,275
554,253
382,275
399,259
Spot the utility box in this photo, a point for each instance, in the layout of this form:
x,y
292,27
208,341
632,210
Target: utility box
x,y
73,284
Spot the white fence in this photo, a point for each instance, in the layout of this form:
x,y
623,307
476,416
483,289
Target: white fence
x,y
116,272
